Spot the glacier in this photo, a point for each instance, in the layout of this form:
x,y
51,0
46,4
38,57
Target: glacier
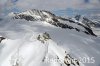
x,y
21,44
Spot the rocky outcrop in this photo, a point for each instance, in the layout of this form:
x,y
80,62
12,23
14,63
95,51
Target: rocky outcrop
x,y
2,38
43,37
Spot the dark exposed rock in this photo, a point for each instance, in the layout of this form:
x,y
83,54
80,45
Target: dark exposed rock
x,y
44,37
68,60
2,38
77,17
26,17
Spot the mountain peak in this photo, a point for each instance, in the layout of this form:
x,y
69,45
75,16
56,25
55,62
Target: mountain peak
x,y
42,15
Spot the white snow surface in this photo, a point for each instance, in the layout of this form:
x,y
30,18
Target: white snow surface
x,y
21,43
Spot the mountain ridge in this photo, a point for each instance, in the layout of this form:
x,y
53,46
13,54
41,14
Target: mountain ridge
x,y
42,15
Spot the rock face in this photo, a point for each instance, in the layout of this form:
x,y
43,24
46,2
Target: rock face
x,y
44,37
42,15
2,38
68,60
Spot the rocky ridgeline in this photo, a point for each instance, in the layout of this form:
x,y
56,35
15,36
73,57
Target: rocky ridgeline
x,y
68,60
42,15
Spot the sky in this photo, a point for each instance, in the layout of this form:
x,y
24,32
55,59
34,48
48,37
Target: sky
x,y
7,6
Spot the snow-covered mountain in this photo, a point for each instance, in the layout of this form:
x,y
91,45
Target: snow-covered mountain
x,y
40,38
87,21
42,15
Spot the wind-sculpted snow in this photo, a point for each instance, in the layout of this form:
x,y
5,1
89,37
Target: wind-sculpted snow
x,y
35,53
42,15
21,47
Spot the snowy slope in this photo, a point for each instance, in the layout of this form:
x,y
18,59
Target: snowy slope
x,y
21,43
